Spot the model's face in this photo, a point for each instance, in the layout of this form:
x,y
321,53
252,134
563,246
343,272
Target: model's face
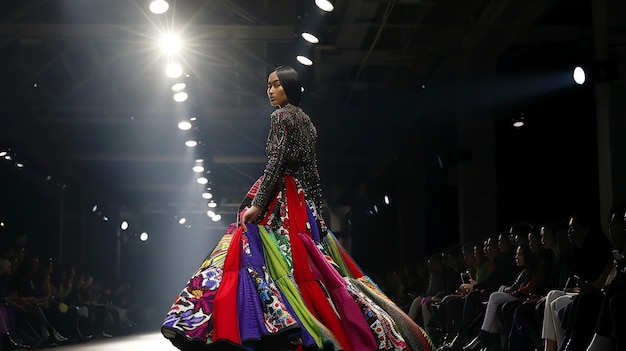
x,y
275,91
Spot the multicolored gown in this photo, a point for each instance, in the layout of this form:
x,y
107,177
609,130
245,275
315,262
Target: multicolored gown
x,y
285,282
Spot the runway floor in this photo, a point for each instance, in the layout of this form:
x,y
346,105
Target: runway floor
x,y
152,341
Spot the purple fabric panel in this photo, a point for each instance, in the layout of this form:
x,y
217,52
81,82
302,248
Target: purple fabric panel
x,y
314,230
359,333
258,260
249,310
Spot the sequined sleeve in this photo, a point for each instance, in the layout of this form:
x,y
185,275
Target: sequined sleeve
x,y
312,185
276,149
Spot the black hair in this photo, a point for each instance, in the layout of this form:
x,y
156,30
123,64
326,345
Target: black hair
x,y
290,81
531,261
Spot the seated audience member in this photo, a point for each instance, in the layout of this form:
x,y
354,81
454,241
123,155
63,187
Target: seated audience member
x,y
526,282
592,256
525,332
463,312
7,322
588,320
436,283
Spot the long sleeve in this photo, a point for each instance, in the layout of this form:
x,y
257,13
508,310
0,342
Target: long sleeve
x,y
276,150
312,185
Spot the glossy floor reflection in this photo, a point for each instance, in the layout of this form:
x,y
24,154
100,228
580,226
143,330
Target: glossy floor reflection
x,y
151,341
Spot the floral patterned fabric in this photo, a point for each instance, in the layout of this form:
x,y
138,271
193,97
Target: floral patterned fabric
x,y
271,312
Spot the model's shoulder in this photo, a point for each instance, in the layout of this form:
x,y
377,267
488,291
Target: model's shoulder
x,y
285,114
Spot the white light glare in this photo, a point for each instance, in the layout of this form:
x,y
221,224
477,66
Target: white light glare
x,y
207,195
19,165
174,70
170,43
386,199
124,225
304,60
179,86
181,96
184,125
202,180
310,38
159,7
216,218
324,5
143,236
212,204
183,220
198,168
210,213
3,153
191,143
579,75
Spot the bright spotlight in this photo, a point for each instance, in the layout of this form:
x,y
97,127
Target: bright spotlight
x,y
519,122
579,75
304,60
386,200
94,208
324,5
207,195
143,236
182,220
184,125
212,204
198,169
202,180
170,43
310,38
124,225
216,218
179,87
210,213
174,70
159,7
191,143
181,96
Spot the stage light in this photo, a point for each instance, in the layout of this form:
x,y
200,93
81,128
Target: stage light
x,y
191,143
159,7
386,200
143,236
579,75
325,5
202,180
310,38
210,213
184,125
181,96
124,225
198,168
304,60
207,196
519,122
600,71
174,70
216,218
182,220
170,44
212,204
179,87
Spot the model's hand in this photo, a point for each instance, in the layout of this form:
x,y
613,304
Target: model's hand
x,y
251,215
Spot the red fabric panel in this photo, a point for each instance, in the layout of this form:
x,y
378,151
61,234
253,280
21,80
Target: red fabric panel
x,y
226,324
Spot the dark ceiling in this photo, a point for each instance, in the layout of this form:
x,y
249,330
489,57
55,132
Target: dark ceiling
x,y
85,98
